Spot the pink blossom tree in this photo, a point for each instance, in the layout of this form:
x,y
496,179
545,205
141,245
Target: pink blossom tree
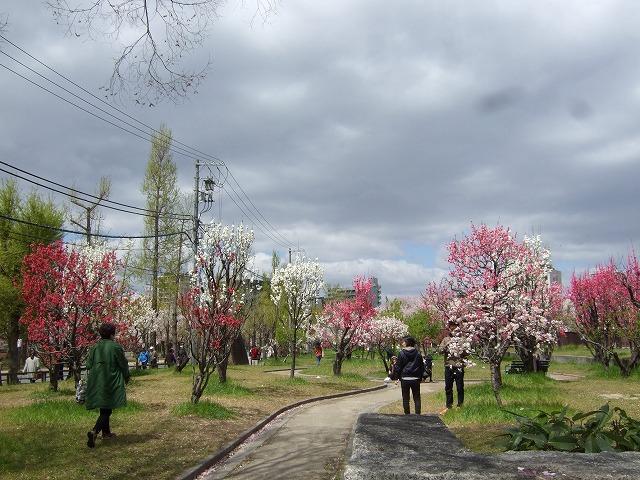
x,y
629,279
213,306
490,294
68,292
346,323
607,311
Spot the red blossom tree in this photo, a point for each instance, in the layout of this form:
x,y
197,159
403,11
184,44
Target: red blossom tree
x,y
213,307
68,292
213,327
344,325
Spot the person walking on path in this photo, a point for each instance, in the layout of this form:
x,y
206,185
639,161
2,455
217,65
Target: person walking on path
x,y
108,371
408,370
453,367
31,367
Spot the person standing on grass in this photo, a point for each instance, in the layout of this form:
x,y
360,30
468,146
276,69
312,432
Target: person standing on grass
x,y
408,370
108,371
255,355
182,358
170,358
453,368
143,358
317,351
31,367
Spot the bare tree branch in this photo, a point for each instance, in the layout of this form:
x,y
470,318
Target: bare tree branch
x,y
154,38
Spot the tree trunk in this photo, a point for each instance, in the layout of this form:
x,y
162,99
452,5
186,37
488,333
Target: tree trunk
x,y
627,365
53,377
383,356
75,368
239,352
496,382
528,359
173,338
293,355
337,363
13,351
222,371
199,384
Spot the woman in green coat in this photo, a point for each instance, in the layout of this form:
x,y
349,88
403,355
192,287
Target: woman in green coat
x,y
108,372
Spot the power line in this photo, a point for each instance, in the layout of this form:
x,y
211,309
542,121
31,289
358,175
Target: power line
x,y
147,135
72,191
99,235
187,151
286,242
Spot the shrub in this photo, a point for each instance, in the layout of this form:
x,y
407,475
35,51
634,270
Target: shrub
x,y
606,429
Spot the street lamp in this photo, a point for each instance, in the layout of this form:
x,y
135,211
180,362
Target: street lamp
x,y
200,196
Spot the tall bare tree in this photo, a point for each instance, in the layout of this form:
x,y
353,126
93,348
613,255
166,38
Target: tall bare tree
x,y
161,225
175,279
88,217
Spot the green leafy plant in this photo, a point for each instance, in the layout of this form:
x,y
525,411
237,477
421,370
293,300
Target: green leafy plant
x,y
603,430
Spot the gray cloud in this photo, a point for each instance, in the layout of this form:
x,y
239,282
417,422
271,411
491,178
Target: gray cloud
x,y
371,134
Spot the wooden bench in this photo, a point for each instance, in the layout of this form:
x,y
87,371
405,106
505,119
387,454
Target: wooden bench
x,y
517,366
543,366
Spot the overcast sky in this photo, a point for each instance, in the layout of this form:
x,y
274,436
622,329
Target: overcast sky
x,y
369,133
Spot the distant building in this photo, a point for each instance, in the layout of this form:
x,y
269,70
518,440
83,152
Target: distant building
x,y
376,293
555,276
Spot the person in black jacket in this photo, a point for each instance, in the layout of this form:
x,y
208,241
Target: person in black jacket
x,y
453,367
409,369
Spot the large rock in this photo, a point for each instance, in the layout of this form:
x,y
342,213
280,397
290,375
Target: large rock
x,y
422,447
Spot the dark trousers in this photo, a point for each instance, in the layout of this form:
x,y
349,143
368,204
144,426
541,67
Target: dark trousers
x,y
451,375
411,387
102,425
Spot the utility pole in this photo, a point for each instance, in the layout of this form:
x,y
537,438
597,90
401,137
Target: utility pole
x,y
202,195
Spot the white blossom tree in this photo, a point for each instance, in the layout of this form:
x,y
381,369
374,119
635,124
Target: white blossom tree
x,y
212,308
136,312
296,285
383,332
536,337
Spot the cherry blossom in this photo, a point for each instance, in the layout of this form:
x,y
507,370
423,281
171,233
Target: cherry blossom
x,y
346,324
68,292
213,306
297,286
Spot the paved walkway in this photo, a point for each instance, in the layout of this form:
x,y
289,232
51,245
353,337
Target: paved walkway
x,y
308,442
320,440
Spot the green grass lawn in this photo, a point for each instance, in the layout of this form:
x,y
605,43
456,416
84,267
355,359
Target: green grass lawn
x,y
480,421
43,433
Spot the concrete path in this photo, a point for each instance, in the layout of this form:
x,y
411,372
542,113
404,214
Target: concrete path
x,y
308,442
